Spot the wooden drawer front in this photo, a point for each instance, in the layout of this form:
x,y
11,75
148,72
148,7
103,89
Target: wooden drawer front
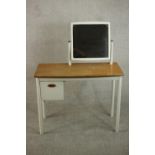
x,y
52,90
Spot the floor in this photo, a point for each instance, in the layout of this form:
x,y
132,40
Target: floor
x,y
77,129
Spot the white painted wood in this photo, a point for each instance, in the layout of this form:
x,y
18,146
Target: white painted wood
x,y
52,93
77,79
93,60
55,93
112,49
118,104
44,109
113,98
40,110
69,53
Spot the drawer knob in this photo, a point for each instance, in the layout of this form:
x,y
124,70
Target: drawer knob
x,y
51,85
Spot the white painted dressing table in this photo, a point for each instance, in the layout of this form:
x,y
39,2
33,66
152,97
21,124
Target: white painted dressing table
x,y
50,80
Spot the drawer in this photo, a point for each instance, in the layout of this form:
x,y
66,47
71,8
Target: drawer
x,y
52,90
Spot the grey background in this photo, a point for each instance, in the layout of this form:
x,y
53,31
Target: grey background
x,y
48,29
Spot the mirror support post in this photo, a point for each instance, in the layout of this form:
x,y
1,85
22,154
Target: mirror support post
x,y
69,53
111,51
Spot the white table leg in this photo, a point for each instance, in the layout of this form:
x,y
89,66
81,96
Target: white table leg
x,y
113,98
40,110
118,104
44,109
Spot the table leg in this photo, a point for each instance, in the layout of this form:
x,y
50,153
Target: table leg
x,y
113,98
40,109
44,109
118,104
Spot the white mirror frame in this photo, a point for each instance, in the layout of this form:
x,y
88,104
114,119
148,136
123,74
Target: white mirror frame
x,y
87,60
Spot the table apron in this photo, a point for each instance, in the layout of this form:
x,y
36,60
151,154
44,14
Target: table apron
x,y
78,79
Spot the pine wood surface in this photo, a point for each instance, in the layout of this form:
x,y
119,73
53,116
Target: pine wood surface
x,y
63,70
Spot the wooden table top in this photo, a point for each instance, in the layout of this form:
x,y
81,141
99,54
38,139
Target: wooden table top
x,y
78,70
